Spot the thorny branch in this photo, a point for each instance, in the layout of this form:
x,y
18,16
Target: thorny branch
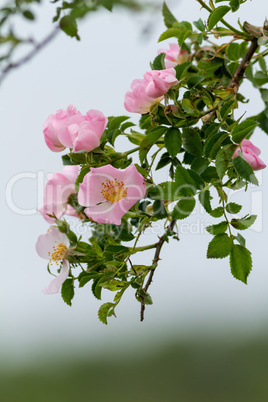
x,y
239,74
158,248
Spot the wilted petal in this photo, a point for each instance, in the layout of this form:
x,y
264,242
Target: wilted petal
x,y
56,283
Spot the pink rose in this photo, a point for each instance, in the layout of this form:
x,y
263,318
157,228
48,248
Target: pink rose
x,y
73,130
174,55
250,154
149,90
55,124
57,191
54,246
108,193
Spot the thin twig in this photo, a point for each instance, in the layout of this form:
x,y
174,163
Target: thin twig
x,y
30,55
239,74
155,262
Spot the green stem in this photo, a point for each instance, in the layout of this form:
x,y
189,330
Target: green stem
x,y
129,152
143,248
210,111
240,33
124,154
225,216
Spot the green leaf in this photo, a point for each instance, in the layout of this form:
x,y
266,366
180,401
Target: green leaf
x,y
66,160
149,141
160,211
199,182
199,165
173,141
186,186
226,109
209,67
217,15
159,62
29,15
188,107
234,4
244,170
96,288
125,235
210,174
204,198
233,51
142,295
240,262
126,125
115,122
262,41
243,223
192,142
195,80
243,129
216,147
223,159
241,239
79,157
84,279
260,78
220,246
181,69
117,249
211,141
264,94
69,26
104,311
169,18
67,291
183,25
164,161
183,208
183,36
218,228
233,208
135,137
167,191
113,285
170,33
217,212
262,64
199,25
82,174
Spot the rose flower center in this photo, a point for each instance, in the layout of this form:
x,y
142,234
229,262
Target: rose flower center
x,y
113,190
58,253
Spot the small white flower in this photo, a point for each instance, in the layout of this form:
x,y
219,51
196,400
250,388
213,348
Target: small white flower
x,y
53,246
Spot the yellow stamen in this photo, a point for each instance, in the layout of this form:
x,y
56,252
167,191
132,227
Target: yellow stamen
x,y
58,253
113,190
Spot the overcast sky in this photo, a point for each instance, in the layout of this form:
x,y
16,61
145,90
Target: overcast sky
x,y
189,292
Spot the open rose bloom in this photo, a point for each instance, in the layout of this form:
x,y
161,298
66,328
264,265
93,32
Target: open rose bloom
x,y
53,246
73,130
108,193
149,90
57,191
250,154
174,55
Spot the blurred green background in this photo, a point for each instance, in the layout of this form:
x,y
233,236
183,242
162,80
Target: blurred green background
x,y
195,370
